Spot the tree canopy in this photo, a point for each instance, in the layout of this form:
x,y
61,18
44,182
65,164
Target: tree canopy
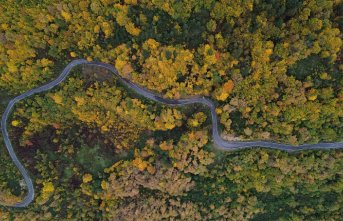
x,y
98,151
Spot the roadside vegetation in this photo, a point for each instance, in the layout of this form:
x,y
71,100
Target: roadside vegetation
x,y
98,151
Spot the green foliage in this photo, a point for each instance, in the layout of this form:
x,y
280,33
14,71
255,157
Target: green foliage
x,y
312,65
98,151
9,177
92,159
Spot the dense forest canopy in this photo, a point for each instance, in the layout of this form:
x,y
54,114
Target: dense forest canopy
x,y
98,151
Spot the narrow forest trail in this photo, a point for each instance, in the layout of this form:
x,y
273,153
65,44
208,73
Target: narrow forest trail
x,y
217,140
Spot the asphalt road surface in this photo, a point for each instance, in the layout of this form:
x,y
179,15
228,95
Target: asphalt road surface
x,y
217,140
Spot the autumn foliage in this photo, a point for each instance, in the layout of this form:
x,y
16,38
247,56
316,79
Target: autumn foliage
x,y
98,151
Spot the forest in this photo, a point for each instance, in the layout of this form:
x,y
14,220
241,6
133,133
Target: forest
x,y
96,150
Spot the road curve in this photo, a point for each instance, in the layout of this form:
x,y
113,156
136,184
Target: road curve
x,y
219,142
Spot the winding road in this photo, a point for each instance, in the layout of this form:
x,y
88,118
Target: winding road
x,y
217,140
